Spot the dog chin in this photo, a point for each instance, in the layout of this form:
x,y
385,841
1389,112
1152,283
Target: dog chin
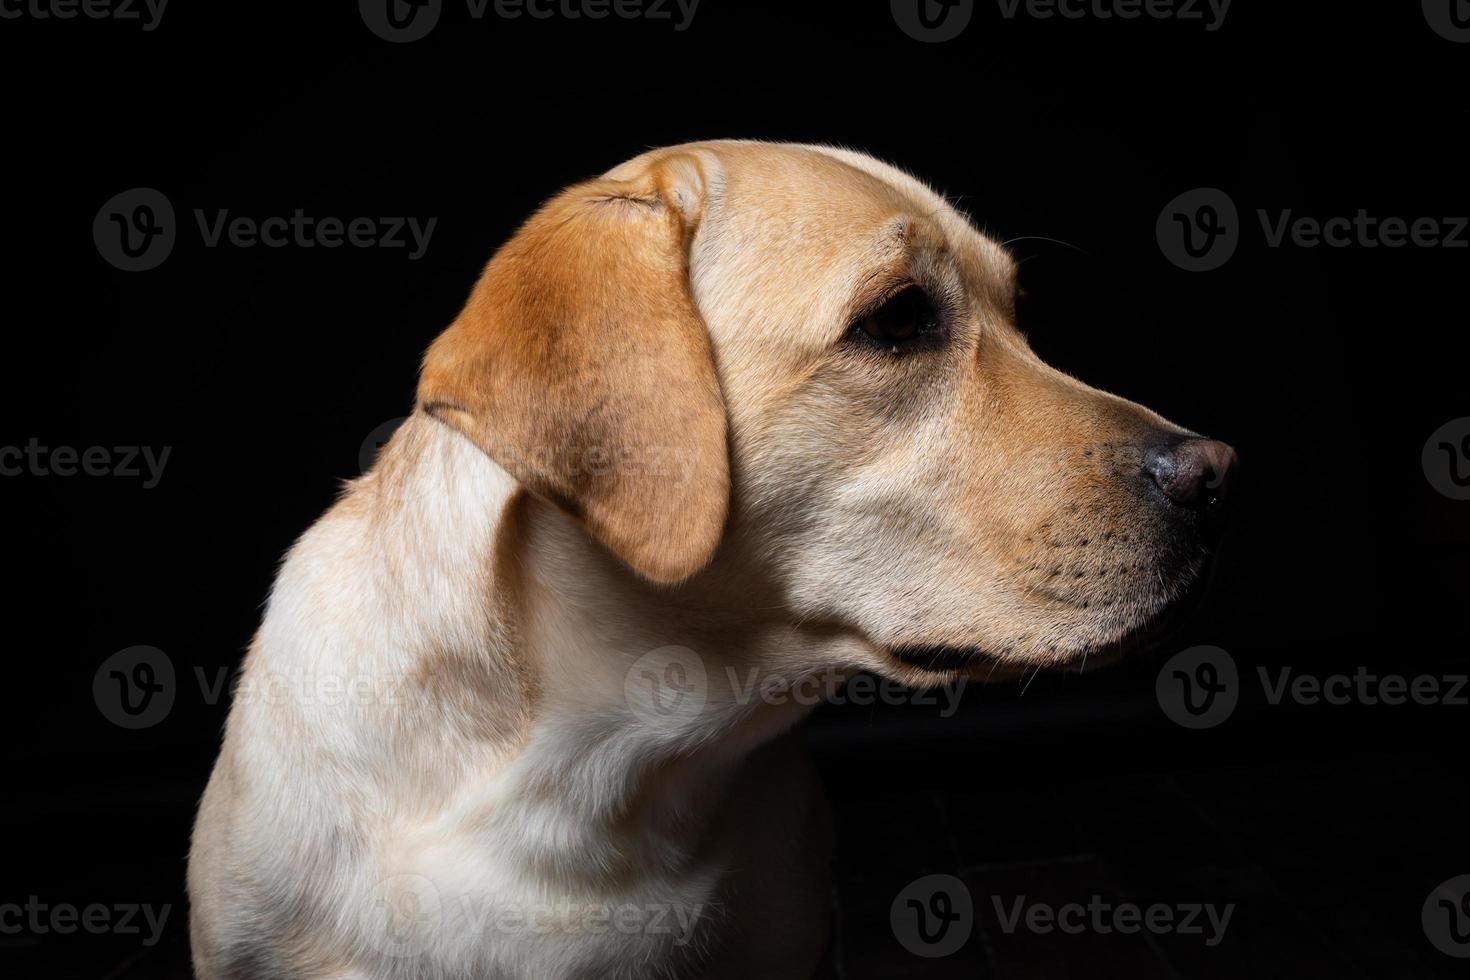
x,y
939,663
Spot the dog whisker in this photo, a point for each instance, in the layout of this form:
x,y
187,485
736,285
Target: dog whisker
x,y
1043,238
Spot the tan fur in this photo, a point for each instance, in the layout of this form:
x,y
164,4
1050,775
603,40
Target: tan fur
x,y
581,365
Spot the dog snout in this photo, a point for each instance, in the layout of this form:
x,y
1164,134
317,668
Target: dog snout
x,y
1193,473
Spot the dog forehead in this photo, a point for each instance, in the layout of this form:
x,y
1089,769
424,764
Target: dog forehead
x,y
820,220
955,226
831,196
790,232
783,192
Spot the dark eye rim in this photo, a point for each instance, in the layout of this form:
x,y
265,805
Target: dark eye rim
x,y
931,328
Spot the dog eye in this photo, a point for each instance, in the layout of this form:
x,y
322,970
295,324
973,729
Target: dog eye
x,y
903,321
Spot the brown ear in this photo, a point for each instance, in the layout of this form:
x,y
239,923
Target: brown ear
x,y
582,366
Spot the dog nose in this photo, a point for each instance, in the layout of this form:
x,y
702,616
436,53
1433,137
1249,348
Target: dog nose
x,y
1192,472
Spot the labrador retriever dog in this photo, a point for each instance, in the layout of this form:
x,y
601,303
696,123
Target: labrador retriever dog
x,y
729,417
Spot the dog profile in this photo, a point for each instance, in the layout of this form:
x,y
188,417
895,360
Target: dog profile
x,y
730,408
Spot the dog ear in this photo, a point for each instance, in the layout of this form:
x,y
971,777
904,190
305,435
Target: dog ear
x,y
582,366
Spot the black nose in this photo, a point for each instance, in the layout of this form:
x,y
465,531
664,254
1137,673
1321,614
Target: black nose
x,y
1192,472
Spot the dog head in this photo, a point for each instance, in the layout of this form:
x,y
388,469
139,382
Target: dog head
x,y
802,364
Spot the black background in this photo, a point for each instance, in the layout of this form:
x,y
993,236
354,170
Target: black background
x,y
266,369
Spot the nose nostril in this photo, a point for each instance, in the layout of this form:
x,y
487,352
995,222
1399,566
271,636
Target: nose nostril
x,y
1192,472
1162,464
1220,463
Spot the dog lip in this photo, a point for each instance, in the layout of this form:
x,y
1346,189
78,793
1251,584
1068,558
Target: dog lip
x,y
938,658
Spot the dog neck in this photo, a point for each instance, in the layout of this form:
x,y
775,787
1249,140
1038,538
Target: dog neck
x,y
642,703
650,698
